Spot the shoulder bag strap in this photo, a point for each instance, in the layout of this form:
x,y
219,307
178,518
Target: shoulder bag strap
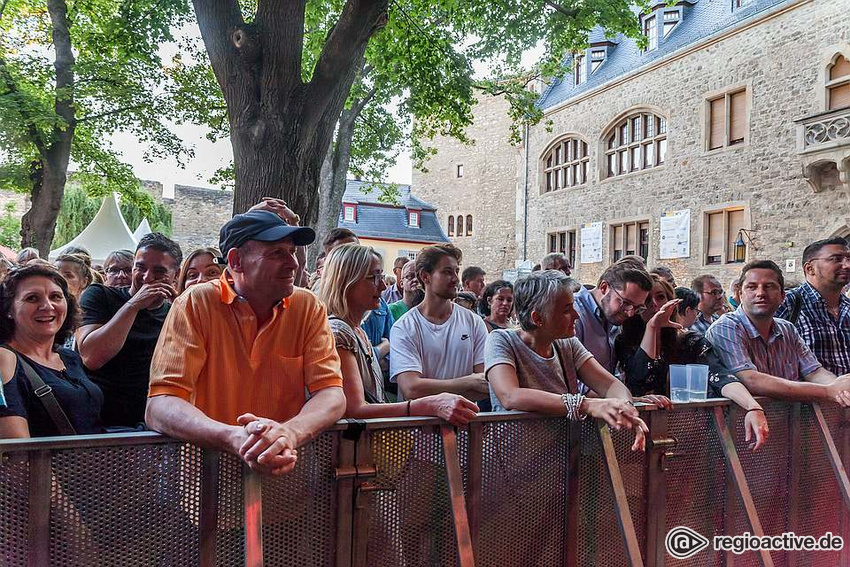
x,y
44,393
571,381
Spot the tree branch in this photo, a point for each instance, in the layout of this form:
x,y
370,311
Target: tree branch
x,y
121,110
64,61
282,25
345,46
218,20
568,12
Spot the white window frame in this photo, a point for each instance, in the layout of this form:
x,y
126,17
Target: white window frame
x,y
413,218
346,209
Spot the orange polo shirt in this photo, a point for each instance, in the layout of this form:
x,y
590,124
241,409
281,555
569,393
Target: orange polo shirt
x,y
211,354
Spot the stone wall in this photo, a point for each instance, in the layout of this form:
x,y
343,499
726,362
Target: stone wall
x,y
779,60
487,190
197,214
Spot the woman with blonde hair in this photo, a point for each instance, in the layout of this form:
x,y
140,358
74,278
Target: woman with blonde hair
x,y
351,287
76,269
200,266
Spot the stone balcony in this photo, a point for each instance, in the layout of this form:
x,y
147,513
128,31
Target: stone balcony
x,y
823,145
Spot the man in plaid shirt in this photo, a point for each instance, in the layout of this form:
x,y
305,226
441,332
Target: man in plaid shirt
x,y
767,353
823,312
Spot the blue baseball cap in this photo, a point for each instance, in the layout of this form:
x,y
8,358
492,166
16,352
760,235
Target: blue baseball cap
x,y
264,226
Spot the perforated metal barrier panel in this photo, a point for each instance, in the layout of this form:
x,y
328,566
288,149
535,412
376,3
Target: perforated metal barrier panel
x,y
14,509
139,501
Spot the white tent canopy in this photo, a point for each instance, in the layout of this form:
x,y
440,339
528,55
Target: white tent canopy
x,y
143,229
107,232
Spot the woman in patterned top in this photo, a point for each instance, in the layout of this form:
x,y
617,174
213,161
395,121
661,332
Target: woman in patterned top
x,y
652,340
352,282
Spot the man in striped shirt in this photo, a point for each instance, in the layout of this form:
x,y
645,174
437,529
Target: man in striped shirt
x,y
766,353
822,311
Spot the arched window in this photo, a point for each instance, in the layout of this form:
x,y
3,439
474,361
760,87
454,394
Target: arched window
x,y
469,225
638,141
838,84
565,165
460,225
451,225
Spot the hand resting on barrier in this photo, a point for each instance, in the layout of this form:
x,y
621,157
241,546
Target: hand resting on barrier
x,y
268,446
617,414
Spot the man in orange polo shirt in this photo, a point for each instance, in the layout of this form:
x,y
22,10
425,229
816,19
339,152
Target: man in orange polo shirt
x,y
237,356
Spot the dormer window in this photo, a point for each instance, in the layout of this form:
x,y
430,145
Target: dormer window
x,y
349,213
650,30
413,218
579,69
671,20
597,58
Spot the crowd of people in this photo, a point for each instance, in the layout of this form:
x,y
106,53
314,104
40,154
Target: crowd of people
x,y
240,348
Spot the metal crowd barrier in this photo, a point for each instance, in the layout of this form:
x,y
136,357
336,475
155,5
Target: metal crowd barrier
x,y
512,489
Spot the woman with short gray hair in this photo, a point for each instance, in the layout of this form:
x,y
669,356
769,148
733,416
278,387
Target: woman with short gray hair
x,y
537,368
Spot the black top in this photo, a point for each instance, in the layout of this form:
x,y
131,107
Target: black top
x,y
79,397
124,379
644,375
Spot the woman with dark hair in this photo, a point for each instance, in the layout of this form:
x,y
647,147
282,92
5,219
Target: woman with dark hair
x,y
37,315
199,267
653,340
497,304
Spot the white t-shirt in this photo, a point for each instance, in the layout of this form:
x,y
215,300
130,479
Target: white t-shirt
x,y
450,350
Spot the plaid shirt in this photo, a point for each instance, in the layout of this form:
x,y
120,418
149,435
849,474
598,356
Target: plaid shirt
x,y
827,338
740,346
702,324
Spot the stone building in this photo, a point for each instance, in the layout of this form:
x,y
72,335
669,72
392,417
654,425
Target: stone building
x,y
474,189
738,112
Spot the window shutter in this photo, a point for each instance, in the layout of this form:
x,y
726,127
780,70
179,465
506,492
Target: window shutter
x,y
631,240
469,225
618,238
734,223
717,123
451,225
553,242
737,117
839,96
460,225
715,234
841,68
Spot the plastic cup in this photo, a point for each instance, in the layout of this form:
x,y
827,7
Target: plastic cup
x,y
678,383
697,382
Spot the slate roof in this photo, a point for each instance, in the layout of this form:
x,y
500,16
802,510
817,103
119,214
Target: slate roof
x,y
389,221
701,19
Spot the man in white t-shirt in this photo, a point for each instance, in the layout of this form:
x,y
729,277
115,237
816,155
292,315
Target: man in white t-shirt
x,y
438,346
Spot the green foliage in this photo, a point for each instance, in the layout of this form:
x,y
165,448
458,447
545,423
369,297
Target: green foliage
x,y
418,79
10,227
119,85
79,208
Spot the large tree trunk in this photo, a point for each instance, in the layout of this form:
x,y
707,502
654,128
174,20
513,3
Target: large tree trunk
x,y
281,127
39,223
333,187
50,172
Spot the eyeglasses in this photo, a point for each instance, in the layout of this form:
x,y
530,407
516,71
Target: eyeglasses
x,y
376,279
628,305
714,292
115,270
833,259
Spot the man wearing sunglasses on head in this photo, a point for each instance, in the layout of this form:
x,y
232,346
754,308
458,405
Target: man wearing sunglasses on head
x,y
711,300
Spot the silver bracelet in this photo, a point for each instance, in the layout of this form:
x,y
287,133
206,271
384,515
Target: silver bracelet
x,y
572,403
